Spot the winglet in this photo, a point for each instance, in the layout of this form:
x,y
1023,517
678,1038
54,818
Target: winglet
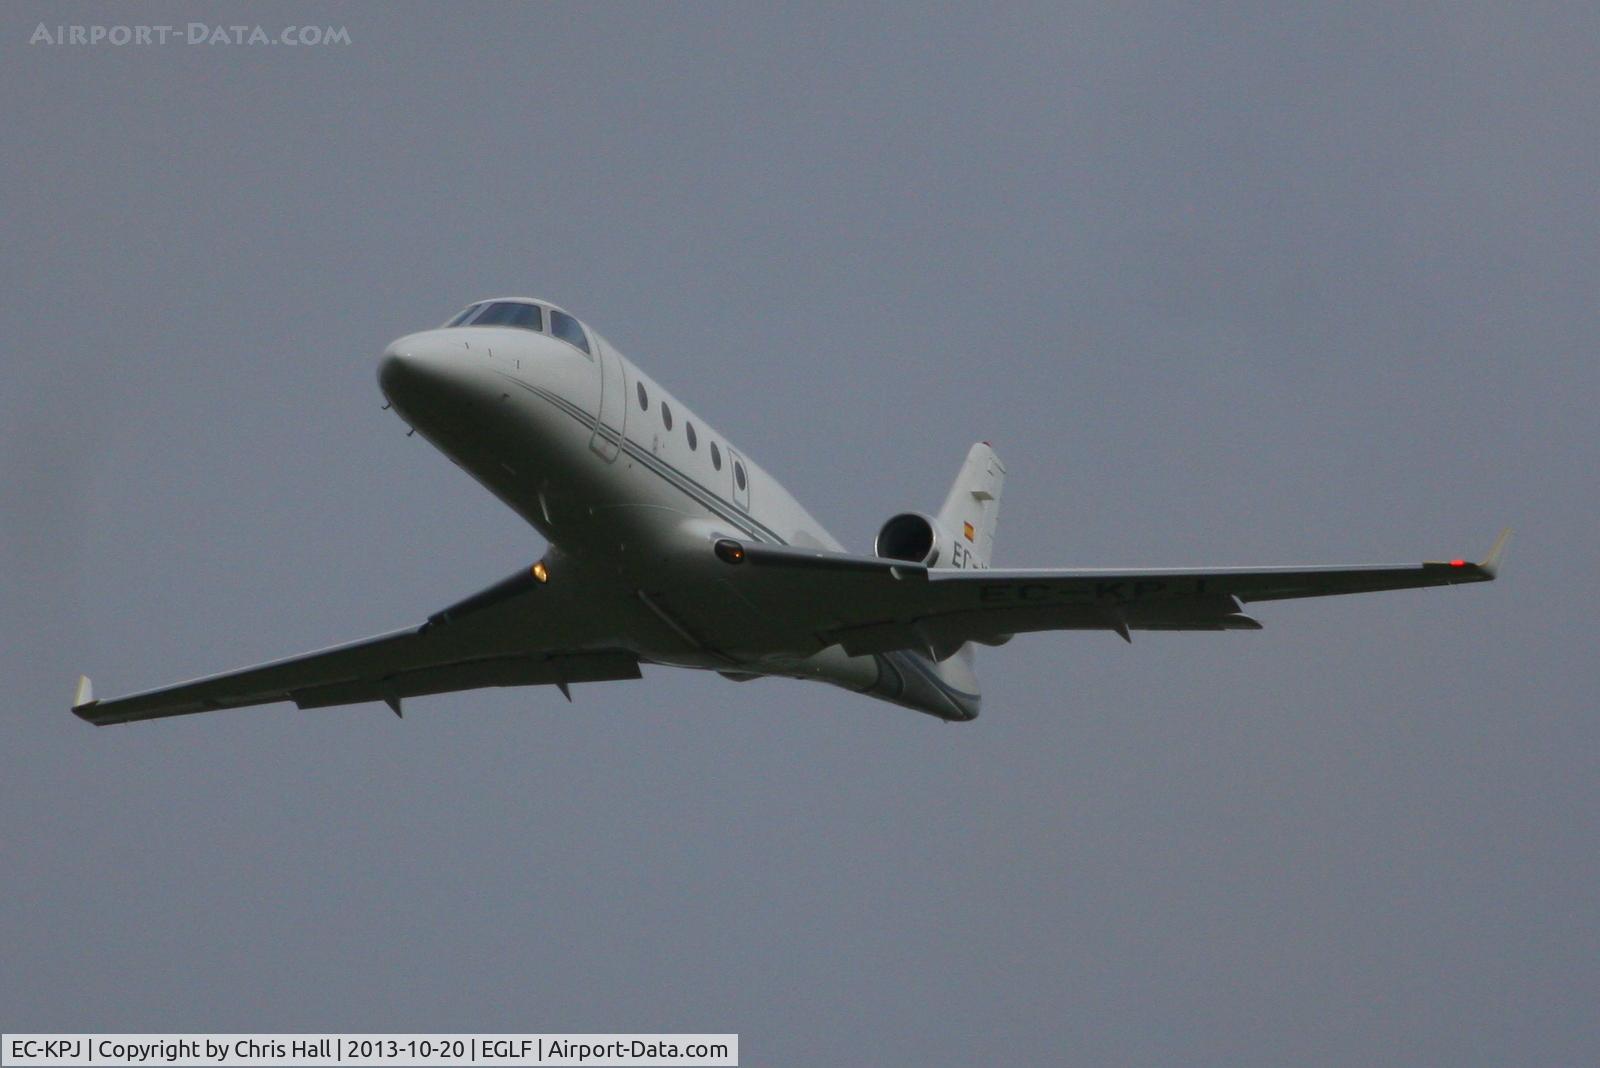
x,y
1491,563
84,697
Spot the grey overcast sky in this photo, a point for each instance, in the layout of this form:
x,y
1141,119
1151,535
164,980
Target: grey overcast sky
x,y
1224,285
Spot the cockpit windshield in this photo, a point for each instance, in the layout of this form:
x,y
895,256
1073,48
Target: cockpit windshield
x,y
501,313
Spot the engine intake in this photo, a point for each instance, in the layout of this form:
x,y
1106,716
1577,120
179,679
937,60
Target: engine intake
x,y
909,536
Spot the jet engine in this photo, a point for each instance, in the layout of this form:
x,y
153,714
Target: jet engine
x,y
910,536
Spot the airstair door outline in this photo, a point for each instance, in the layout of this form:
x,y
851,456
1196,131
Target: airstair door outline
x,y
612,414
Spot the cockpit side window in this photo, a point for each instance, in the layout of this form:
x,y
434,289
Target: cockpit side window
x,y
461,320
569,330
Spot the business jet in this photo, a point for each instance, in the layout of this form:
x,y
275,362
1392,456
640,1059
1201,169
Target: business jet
x,y
667,546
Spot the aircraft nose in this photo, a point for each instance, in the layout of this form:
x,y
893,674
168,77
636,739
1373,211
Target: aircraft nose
x,y
394,368
411,367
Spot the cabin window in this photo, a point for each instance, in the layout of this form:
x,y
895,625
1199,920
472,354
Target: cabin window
x,y
644,398
738,475
666,415
569,330
694,442
716,457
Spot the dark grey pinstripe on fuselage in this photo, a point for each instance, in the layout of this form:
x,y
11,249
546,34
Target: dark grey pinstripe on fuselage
x,y
667,472
897,671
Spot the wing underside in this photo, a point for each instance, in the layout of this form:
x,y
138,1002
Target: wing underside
x,y
518,632
769,601
868,605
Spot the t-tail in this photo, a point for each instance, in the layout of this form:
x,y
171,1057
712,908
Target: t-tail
x,y
972,509
939,678
968,519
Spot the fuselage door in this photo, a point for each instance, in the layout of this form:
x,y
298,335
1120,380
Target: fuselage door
x,y
612,413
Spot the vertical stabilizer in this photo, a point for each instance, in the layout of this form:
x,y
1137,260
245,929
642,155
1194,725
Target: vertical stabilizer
x,y
970,514
972,508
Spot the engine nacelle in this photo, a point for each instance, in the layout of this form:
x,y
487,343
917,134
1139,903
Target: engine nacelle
x,y
910,536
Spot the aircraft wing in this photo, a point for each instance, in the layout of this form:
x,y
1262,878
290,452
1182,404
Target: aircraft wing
x,y
519,632
868,604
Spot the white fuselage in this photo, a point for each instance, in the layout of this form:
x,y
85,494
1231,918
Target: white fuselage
x,y
580,445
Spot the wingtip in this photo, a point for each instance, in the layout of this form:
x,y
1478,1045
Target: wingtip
x,y
1491,563
84,701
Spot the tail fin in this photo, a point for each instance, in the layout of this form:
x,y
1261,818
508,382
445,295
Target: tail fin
x,y
972,508
970,514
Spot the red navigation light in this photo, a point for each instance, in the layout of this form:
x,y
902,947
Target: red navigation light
x,y
1458,563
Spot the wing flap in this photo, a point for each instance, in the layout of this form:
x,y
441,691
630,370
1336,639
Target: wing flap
x,y
942,633
473,675
1139,587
